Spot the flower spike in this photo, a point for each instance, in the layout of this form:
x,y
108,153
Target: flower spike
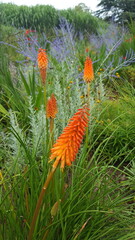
x,y
51,108
67,145
42,60
88,70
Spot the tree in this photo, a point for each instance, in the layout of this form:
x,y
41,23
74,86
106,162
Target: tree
x,y
81,7
118,10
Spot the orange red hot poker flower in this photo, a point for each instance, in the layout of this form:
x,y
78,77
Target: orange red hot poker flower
x,y
67,145
42,60
51,108
88,75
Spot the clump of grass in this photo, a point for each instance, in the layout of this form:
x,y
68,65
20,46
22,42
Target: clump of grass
x,y
115,121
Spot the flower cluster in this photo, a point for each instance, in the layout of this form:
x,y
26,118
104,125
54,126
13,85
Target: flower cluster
x,y
42,63
67,145
51,108
42,59
88,70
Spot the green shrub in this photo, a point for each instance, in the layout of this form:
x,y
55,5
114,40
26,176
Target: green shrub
x,y
114,121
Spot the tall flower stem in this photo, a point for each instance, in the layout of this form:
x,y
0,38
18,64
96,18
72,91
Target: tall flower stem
x,y
45,235
51,111
39,202
45,95
88,77
88,94
88,104
52,130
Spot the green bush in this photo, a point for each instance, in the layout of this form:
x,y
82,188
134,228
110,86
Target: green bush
x,y
8,35
114,121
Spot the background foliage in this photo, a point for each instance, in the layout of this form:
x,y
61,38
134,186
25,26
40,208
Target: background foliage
x,y
45,18
118,10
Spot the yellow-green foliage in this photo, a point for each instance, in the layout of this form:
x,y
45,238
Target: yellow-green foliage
x,y
115,122
129,74
7,34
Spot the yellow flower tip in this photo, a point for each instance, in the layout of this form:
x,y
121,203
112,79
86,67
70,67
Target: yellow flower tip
x,y
118,76
51,108
88,70
67,145
68,87
98,100
81,96
71,82
98,73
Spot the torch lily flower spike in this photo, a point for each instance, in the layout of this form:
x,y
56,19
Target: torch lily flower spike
x,y
42,60
88,75
51,108
67,145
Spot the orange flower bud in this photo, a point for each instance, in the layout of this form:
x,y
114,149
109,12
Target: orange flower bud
x,y
87,50
51,109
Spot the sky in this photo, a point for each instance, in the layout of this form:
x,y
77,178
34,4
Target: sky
x,y
58,4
